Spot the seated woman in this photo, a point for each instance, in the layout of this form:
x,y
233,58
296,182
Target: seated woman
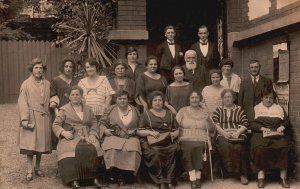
x,y
267,151
78,151
159,155
195,126
121,144
231,123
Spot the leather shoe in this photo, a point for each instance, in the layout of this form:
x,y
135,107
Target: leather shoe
x,y
198,183
170,186
75,184
39,173
260,183
284,183
244,180
97,183
194,185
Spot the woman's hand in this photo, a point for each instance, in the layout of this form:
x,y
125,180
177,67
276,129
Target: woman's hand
x,y
280,129
174,134
235,135
108,132
265,130
53,105
227,135
92,138
24,123
155,134
67,134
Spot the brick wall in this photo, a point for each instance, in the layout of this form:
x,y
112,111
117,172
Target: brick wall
x,y
131,15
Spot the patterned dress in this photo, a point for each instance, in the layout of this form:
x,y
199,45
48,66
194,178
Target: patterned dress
x,y
95,96
233,154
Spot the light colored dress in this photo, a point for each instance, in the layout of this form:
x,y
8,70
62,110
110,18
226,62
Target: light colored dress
x,y
234,84
212,97
34,107
95,96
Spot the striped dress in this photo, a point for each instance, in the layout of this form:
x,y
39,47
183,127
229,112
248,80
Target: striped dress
x,y
95,96
234,156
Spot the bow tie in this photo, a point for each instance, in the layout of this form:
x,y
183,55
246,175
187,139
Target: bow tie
x,y
203,43
171,43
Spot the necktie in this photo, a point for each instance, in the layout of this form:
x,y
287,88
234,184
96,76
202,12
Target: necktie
x,y
171,43
203,43
254,81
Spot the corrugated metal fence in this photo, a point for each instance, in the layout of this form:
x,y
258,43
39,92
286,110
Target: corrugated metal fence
x,y
14,58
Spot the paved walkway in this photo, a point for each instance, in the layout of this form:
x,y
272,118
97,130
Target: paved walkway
x,y
13,165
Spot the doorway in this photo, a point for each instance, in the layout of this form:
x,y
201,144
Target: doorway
x,y
186,16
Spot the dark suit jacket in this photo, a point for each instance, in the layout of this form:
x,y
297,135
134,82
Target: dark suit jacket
x,y
166,61
199,79
250,97
212,58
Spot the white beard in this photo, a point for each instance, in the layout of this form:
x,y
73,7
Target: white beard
x,y
191,65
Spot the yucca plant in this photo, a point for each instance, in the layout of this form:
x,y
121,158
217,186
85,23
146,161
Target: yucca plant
x,y
85,26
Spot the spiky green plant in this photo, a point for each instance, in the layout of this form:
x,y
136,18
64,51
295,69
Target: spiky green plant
x,y
84,28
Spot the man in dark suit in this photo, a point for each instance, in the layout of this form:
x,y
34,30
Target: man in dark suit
x,y
169,54
195,73
207,52
251,89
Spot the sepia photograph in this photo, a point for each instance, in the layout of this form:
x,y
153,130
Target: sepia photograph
x,y
149,94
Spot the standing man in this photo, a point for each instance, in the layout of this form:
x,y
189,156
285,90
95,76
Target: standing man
x,y
195,73
168,53
251,89
207,52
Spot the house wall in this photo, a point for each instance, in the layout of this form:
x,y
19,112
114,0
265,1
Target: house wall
x,y
240,28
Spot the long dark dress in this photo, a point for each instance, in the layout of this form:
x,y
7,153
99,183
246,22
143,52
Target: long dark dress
x,y
77,159
268,153
145,85
139,69
58,91
160,160
233,154
178,96
128,87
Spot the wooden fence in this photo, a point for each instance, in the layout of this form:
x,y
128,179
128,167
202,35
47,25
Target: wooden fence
x,y
14,58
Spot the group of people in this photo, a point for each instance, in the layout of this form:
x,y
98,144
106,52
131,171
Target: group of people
x,y
153,118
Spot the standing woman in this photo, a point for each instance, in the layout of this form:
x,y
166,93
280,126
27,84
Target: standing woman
x,y
134,67
122,83
35,130
59,87
97,92
177,93
195,126
150,81
212,93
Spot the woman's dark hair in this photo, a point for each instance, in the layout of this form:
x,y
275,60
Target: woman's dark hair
x,y
228,91
226,61
217,71
268,90
92,62
73,88
197,92
130,50
119,62
63,62
121,93
175,68
36,61
154,94
151,57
